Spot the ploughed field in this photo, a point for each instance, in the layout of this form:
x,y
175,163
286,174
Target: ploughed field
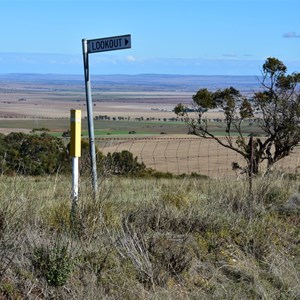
x,y
52,96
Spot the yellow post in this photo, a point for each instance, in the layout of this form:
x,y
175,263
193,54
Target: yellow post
x,y
75,150
75,153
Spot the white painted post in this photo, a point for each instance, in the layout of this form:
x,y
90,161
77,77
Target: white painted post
x,y
75,178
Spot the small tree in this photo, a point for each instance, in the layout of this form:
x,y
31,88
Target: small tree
x,y
123,163
276,109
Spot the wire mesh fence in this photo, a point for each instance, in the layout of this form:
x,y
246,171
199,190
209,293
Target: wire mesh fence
x,y
188,155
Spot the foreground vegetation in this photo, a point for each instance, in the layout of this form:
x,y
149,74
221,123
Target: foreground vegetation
x,y
149,239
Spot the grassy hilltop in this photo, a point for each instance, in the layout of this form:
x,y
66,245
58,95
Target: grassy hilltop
x,y
149,239
156,236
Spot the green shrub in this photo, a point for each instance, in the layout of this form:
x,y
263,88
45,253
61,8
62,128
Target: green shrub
x,y
54,264
123,163
33,155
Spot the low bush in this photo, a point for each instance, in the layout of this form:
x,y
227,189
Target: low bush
x,y
53,263
123,163
35,155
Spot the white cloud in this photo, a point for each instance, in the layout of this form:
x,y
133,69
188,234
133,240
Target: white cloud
x,y
291,35
129,64
131,58
229,55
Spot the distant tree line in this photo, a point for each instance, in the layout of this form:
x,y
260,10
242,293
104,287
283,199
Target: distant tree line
x,y
139,119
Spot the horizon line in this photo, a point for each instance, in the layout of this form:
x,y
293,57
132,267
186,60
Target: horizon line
x,y
126,74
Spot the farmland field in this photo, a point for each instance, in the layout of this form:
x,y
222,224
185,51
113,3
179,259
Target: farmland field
x,y
130,113
52,96
34,100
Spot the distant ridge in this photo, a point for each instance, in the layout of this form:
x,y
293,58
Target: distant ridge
x,y
142,82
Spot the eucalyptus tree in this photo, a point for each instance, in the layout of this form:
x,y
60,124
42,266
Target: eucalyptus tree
x,y
275,107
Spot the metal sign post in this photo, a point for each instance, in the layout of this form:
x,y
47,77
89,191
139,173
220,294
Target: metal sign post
x,y
89,106
93,46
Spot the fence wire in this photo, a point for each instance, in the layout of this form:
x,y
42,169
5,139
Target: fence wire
x,y
188,155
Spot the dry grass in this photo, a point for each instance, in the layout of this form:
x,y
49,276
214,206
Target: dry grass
x,y
149,239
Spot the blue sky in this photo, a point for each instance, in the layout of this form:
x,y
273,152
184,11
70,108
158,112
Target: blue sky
x,y
201,37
